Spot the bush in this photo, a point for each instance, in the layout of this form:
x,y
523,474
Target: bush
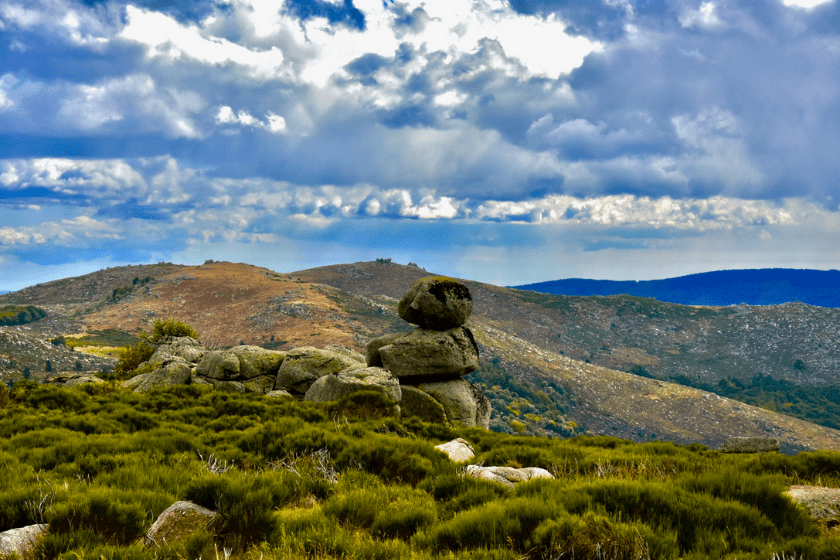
x,y
101,511
131,357
171,327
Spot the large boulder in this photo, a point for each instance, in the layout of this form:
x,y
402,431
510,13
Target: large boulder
x,y
437,303
416,402
185,347
336,385
173,371
347,352
240,363
255,361
463,403
178,522
507,476
261,384
303,366
218,364
428,353
372,356
457,450
18,541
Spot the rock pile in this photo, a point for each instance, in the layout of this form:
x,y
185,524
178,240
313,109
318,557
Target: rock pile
x,y
422,371
431,360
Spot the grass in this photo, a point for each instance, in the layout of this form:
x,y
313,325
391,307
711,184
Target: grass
x,y
326,481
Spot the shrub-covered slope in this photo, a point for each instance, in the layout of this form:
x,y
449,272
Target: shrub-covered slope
x,y
348,480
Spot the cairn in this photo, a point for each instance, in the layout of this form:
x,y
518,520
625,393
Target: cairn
x,y
431,360
421,371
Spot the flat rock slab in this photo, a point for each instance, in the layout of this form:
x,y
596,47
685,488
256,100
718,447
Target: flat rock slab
x,y
20,540
437,303
177,522
822,503
507,476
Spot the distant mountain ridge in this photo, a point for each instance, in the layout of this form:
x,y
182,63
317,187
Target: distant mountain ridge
x,y
768,286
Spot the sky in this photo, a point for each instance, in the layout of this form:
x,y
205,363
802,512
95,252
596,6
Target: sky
x,y
502,141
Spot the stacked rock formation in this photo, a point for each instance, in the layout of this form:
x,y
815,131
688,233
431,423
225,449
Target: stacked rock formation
x,y
430,361
422,371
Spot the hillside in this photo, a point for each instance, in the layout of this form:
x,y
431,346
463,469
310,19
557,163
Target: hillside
x,y
535,347
724,287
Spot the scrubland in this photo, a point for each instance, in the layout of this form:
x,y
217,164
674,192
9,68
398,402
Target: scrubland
x,y
352,479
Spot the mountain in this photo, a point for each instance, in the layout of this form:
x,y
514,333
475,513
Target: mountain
x,y
551,365
770,286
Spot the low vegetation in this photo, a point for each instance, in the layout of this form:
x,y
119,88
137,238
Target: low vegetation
x,y
351,480
11,315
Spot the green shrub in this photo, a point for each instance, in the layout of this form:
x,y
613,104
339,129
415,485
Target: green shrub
x,y
762,493
20,314
101,511
595,537
131,357
496,524
356,507
171,327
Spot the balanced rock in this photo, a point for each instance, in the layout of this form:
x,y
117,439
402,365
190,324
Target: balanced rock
x,y
437,303
336,385
462,403
427,353
303,366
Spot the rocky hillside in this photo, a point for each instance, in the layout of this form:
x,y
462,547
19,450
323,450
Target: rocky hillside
x,y
535,347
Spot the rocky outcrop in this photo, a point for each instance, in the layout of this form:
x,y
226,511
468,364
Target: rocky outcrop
x,y
178,522
173,371
244,369
336,385
18,541
185,347
303,366
750,445
421,371
431,360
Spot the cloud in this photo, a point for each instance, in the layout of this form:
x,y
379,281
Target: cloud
x,y
273,123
